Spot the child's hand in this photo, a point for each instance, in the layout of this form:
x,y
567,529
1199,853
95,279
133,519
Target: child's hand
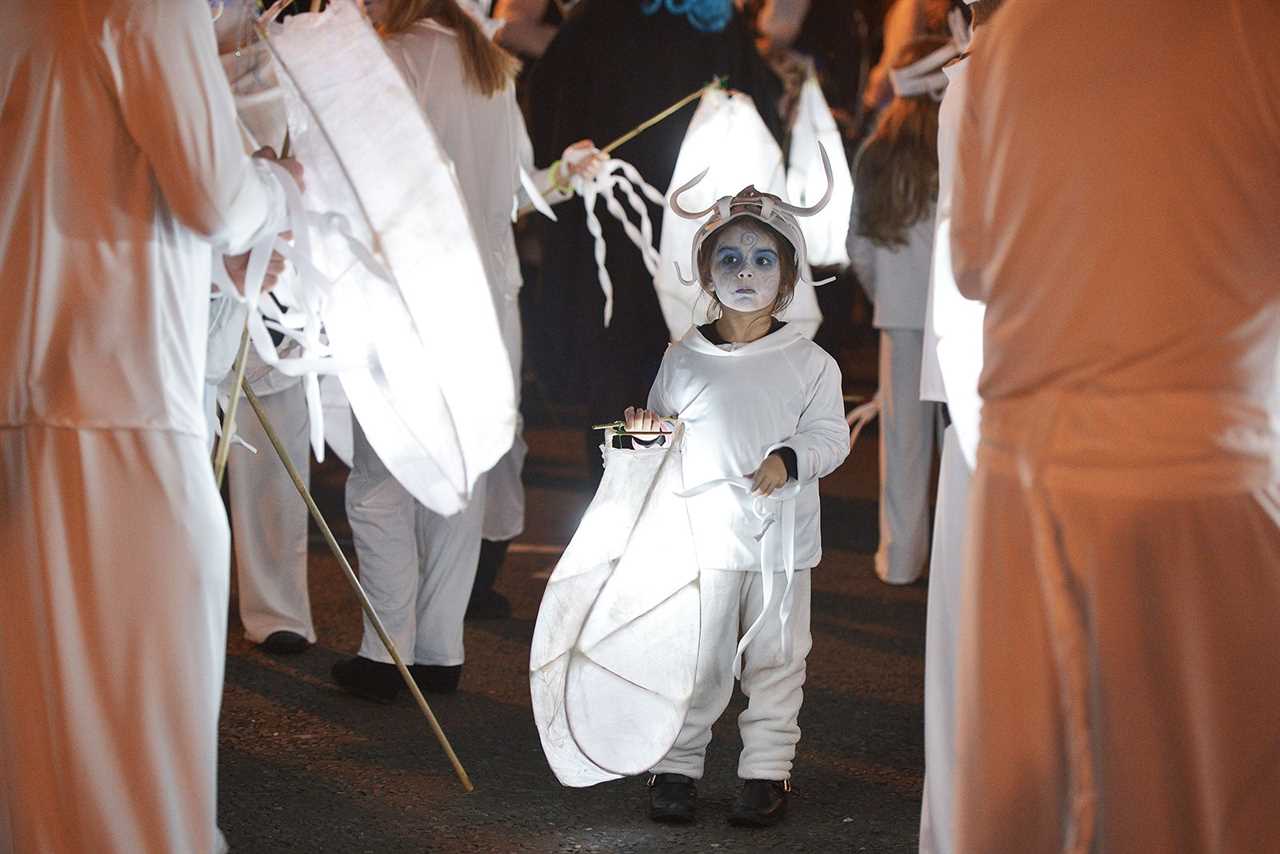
x,y
643,421
771,475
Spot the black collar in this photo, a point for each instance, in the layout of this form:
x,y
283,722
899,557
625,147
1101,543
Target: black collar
x,y
710,332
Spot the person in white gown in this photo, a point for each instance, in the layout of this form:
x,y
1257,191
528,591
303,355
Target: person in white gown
x,y
122,165
268,518
949,375
890,245
1116,210
418,566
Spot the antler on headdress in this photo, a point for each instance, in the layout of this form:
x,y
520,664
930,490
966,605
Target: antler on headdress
x,y
797,210
675,198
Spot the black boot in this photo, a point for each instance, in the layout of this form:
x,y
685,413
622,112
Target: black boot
x,y
761,803
371,680
285,642
436,679
672,798
487,603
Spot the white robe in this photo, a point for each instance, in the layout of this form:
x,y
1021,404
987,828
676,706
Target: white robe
x,y
418,566
948,376
1117,685
112,626
897,281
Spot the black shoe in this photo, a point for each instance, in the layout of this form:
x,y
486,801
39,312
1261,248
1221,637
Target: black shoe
x,y
488,605
761,803
436,679
371,680
285,642
672,798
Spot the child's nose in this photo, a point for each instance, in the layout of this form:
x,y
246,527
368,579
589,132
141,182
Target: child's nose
x,y
744,274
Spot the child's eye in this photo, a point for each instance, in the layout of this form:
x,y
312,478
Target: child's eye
x,y
764,261
729,259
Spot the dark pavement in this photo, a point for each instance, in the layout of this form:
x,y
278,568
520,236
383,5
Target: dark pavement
x,y
307,768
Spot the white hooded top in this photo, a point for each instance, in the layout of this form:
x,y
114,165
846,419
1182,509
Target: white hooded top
x,y
896,279
1123,229
121,163
738,403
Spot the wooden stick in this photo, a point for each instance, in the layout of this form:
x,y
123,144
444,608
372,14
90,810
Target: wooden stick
x,y
229,414
643,126
354,581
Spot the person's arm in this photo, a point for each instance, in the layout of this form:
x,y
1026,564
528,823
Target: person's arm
x,y
862,255
177,106
968,232
821,440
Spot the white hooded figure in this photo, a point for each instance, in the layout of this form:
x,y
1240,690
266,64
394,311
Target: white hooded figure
x,y
113,538
759,418
1116,683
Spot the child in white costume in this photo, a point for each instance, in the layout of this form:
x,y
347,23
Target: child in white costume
x,y
755,398
891,246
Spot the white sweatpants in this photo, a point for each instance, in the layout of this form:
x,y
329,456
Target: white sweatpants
x,y
942,636
269,519
1180,598
417,566
908,433
731,601
116,563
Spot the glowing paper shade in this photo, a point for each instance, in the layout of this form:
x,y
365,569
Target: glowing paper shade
x,y
727,135
614,653
826,232
432,389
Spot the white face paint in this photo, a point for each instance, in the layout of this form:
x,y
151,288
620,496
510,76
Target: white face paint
x,y
745,269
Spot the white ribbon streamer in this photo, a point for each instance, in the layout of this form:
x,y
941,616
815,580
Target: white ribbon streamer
x,y
777,512
618,175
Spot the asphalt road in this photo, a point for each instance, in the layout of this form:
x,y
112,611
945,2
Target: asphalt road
x,y
306,768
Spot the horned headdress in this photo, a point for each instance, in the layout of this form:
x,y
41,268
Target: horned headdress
x,y
750,203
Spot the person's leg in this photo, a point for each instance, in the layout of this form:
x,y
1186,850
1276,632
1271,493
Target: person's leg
x,y
269,521
907,437
503,522
450,547
1182,596
773,683
112,638
383,527
713,684
946,575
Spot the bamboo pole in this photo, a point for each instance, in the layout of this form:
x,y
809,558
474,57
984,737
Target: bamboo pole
x,y
642,127
229,414
354,581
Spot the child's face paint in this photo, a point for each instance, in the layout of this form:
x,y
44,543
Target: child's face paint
x,y
744,267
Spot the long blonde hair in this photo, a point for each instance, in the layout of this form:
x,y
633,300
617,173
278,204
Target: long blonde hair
x,y
488,67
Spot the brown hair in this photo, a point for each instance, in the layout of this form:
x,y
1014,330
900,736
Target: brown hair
x,y
896,170
787,262
488,67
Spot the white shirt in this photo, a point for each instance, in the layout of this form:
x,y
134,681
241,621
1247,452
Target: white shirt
x,y
1117,208
121,163
897,279
738,405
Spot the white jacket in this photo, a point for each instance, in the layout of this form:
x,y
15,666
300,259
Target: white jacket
x,y
738,404
121,162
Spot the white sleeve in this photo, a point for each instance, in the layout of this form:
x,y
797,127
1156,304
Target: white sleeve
x,y
821,440
862,255
659,394
968,237
177,105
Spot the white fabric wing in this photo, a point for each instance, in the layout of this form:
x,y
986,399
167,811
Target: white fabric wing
x,y
826,232
727,135
614,653
431,386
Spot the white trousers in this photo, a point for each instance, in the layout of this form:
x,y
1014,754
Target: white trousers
x,y
731,601
417,566
908,433
1180,598
942,636
269,519
115,554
